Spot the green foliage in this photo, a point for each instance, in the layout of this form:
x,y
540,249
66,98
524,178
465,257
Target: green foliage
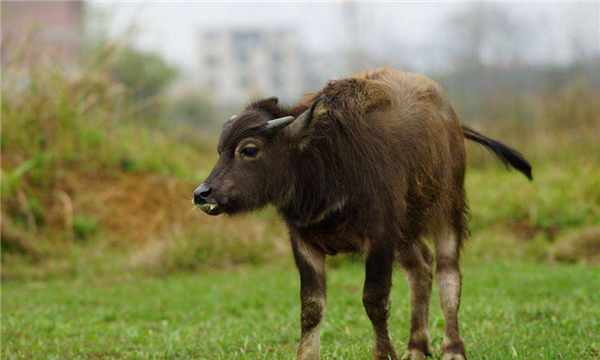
x,y
146,74
85,228
508,311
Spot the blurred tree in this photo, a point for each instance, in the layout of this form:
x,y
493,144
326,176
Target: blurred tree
x,y
146,74
484,33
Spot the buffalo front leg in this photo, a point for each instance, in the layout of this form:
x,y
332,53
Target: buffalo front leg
x,y
311,265
376,299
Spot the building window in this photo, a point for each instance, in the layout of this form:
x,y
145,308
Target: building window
x,y
212,61
276,80
241,56
210,35
212,84
276,58
243,82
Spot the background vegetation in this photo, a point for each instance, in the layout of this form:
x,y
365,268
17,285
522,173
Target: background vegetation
x,y
88,172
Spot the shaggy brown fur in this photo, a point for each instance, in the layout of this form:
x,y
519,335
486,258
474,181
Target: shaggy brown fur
x,y
375,166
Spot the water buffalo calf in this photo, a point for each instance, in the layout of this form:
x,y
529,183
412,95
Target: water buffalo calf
x,y
371,164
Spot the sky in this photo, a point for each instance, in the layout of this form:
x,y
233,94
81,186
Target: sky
x,y
171,28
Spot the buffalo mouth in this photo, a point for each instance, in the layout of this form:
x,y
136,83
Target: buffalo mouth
x,y
211,208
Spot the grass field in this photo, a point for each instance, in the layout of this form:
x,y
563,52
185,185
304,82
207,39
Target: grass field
x,y
509,311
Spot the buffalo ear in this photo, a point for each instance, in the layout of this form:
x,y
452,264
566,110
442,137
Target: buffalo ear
x,y
269,105
301,127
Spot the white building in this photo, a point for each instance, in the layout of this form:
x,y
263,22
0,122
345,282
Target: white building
x,y
239,65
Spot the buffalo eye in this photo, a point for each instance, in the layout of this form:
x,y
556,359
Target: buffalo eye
x,y
249,152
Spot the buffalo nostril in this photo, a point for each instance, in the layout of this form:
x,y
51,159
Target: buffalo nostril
x,y
202,193
205,193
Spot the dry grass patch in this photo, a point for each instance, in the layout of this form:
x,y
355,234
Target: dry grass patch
x,y
578,247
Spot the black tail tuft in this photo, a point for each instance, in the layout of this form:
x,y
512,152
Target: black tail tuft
x,y
508,156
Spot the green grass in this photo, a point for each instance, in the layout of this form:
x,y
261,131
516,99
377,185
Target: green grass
x,y
509,311
561,196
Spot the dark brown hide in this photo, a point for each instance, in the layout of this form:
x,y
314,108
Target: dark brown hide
x,y
378,167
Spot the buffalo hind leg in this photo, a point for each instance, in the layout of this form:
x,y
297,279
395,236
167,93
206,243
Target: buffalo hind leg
x,y
311,265
417,261
376,299
448,278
